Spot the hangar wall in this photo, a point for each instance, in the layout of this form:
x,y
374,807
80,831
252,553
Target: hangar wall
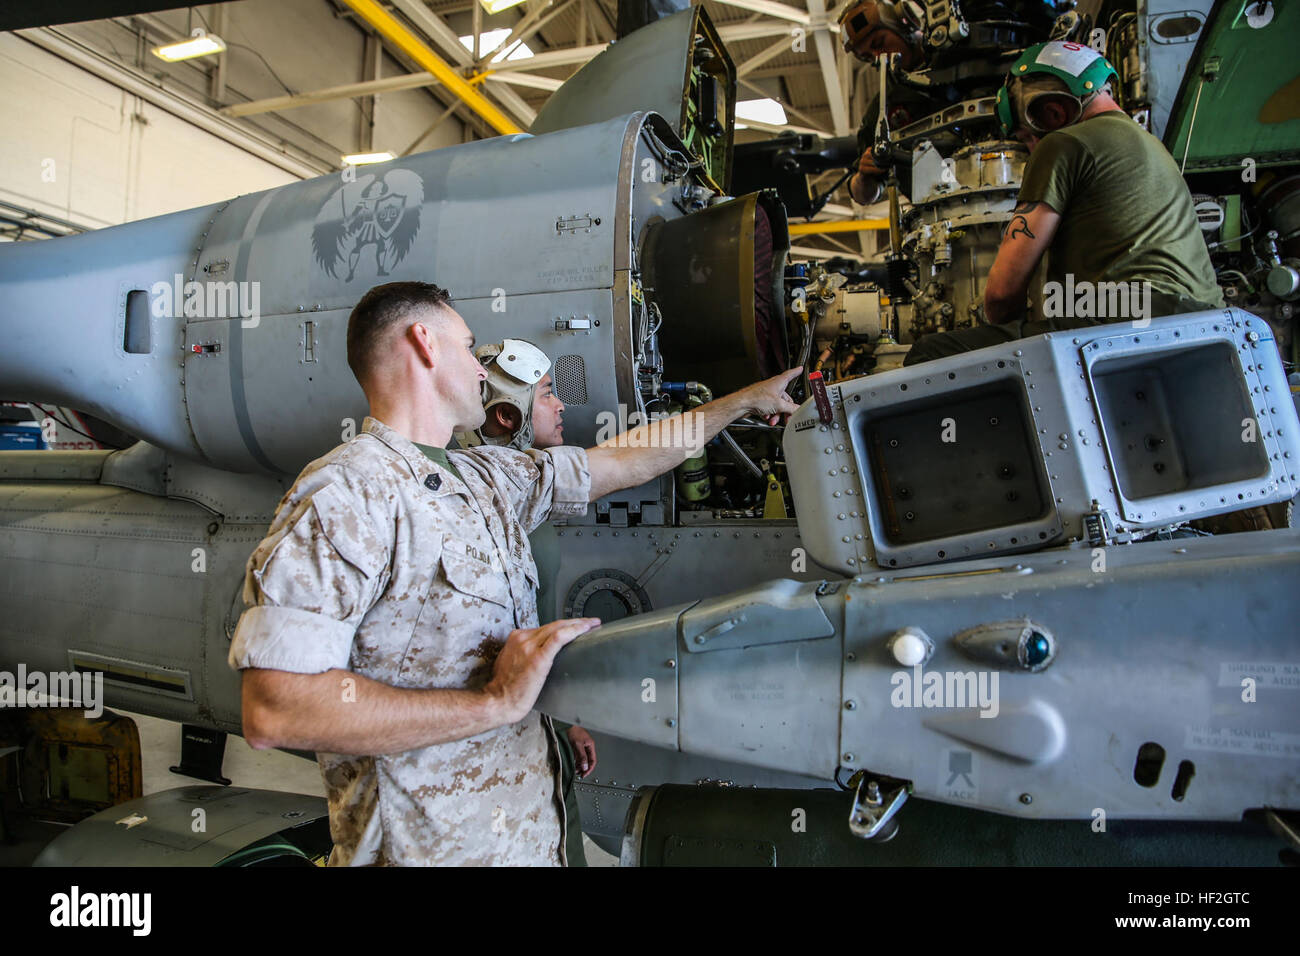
x,y
118,158
79,148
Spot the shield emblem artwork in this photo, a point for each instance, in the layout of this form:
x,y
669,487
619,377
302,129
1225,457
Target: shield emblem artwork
x,y
388,213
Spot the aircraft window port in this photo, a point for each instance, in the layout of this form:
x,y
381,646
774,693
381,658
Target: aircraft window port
x,y
927,486
1186,771
135,329
1150,761
1165,417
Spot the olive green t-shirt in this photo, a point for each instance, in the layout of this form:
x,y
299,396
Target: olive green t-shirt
x,y
439,455
1126,214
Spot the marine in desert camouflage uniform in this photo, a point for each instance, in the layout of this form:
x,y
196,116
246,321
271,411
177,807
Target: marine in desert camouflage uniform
x,y
393,620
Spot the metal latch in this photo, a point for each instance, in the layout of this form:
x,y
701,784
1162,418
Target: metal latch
x,y
309,341
571,224
717,630
875,802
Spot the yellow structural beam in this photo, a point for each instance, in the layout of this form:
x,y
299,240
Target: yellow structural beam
x,y
396,33
842,225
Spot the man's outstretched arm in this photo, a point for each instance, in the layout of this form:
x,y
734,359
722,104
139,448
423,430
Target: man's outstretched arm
x,y
649,450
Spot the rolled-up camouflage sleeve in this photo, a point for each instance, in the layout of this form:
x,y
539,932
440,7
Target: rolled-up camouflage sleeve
x,y
540,483
312,579
565,481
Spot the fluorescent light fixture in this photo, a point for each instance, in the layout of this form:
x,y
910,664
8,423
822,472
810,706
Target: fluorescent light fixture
x,y
760,111
205,45
496,6
490,38
361,159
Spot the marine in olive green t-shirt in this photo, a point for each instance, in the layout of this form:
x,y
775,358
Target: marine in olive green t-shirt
x,y
1126,214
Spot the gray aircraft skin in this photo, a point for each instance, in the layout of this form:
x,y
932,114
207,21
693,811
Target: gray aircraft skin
x,y
784,653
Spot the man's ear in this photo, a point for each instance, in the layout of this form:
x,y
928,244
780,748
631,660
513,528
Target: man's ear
x,y
507,416
1058,111
421,336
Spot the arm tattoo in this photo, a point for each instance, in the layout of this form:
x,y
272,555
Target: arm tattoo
x,y
1028,206
1018,226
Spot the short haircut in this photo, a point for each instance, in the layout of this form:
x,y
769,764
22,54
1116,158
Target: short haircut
x,y
379,311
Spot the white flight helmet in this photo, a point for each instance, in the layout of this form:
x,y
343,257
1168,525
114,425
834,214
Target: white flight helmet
x,y
514,368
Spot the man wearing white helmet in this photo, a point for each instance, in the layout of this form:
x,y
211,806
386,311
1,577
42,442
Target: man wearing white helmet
x,y
522,411
1100,196
520,408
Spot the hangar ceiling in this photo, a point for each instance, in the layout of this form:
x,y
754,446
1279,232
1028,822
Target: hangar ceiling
x,y
787,53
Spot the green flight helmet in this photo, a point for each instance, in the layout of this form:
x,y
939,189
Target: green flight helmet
x,y
1082,69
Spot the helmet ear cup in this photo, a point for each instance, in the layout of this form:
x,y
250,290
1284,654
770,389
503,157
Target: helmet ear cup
x,y
514,367
1041,111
